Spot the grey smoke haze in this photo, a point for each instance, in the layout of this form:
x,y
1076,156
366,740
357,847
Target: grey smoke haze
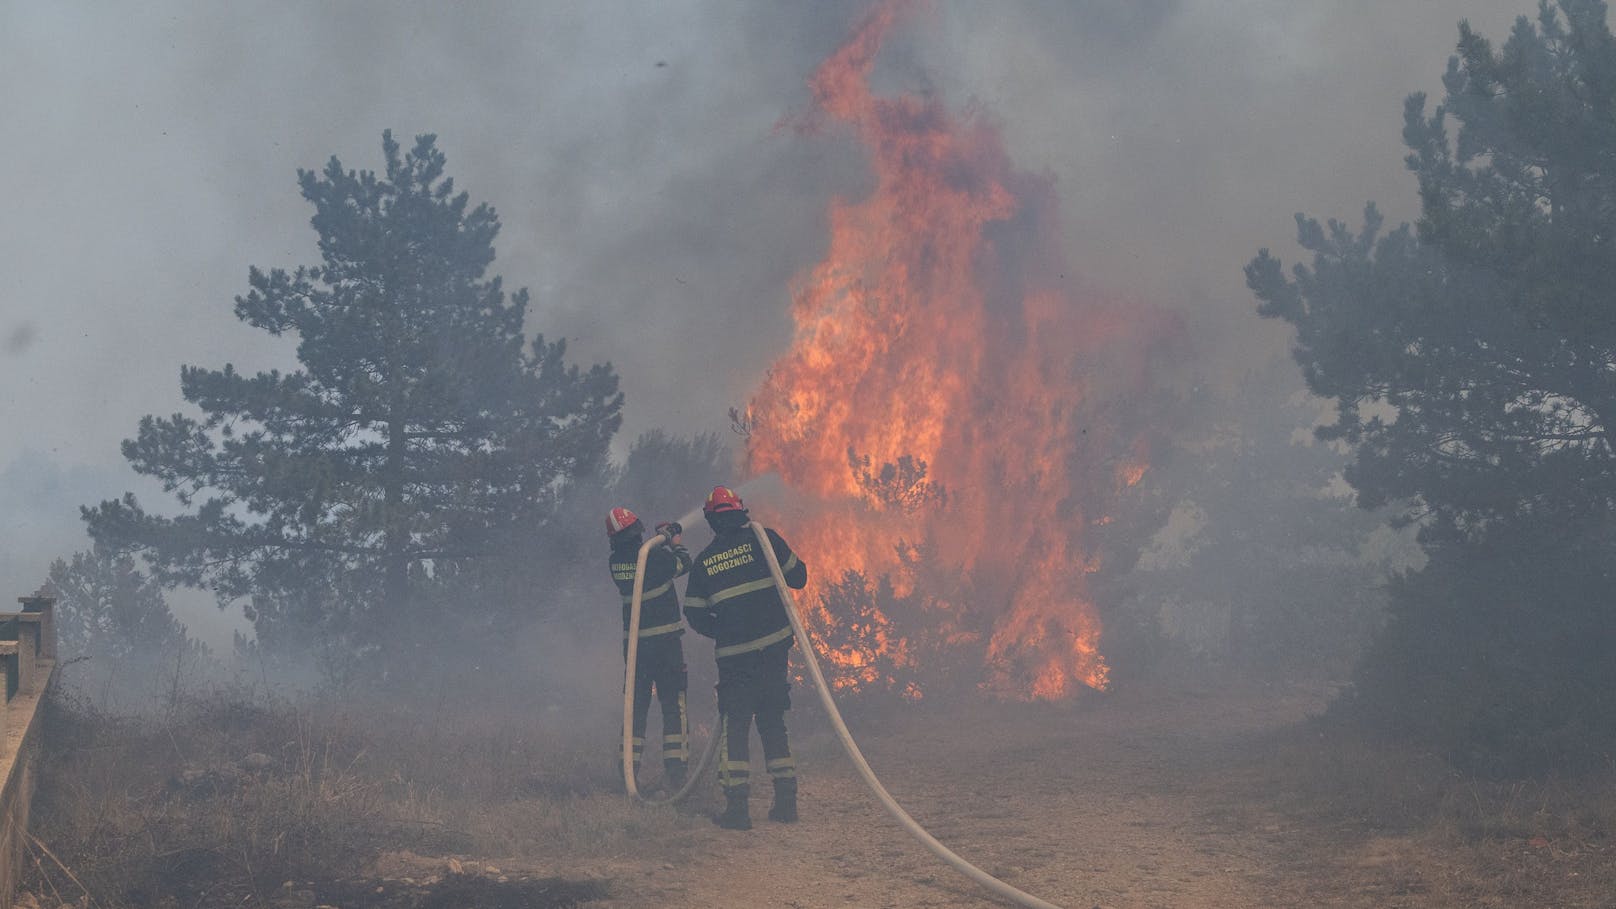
x,y
630,149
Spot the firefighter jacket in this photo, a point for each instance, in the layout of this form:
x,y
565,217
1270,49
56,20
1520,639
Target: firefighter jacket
x,y
659,602
731,597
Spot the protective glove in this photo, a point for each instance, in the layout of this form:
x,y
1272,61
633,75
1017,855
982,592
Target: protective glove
x,y
672,529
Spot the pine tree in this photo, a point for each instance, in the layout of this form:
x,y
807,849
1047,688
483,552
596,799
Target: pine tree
x,y
106,609
1473,363
420,429
1267,573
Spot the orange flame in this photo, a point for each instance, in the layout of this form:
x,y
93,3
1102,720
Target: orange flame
x,y
937,394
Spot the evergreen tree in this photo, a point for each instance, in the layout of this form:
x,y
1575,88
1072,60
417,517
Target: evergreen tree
x,y
107,609
1268,571
420,429
1473,362
122,644
666,476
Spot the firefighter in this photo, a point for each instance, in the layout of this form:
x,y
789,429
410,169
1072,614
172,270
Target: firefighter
x,y
732,599
660,660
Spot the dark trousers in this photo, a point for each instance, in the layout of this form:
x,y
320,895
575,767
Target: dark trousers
x,y
754,685
660,666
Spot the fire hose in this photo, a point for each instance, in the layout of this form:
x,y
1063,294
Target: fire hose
x,y
997,887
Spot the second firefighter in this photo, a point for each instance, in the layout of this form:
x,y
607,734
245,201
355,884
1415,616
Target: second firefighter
x,y
660,660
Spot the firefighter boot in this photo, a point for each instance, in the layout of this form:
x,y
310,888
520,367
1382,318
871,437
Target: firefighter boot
x,y
784,808
736,816
673,775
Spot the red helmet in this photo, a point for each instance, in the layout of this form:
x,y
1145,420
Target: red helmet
x,y
722,498
620,519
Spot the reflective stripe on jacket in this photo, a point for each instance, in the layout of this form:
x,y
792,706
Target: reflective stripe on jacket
x,y
731,596
659,602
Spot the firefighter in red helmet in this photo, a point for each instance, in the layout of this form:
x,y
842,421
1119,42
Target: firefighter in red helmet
x,y
732,599
660,659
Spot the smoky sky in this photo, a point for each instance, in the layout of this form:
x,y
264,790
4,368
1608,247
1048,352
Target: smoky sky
x,y
650,200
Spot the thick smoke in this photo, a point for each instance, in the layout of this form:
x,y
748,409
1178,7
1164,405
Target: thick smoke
x,y
648,199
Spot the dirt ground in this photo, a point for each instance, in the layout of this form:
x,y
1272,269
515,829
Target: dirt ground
x,y
1106,803
1184,795
1145,799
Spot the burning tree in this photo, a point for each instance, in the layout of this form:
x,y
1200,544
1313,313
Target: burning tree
x,y
946,392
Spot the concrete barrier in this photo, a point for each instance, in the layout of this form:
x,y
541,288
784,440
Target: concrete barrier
x,y
29,660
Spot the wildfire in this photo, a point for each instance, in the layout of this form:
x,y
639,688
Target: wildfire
x,y
938,403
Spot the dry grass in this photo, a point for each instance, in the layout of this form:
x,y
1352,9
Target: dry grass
x,y
1382,786
225,799
1407,828
420,799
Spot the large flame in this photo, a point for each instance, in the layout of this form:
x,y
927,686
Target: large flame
x,y
938,398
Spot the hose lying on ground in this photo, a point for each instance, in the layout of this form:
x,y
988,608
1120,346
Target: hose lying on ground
x,y
629,782
998,887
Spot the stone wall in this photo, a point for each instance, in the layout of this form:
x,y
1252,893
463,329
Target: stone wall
x,y
28,655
